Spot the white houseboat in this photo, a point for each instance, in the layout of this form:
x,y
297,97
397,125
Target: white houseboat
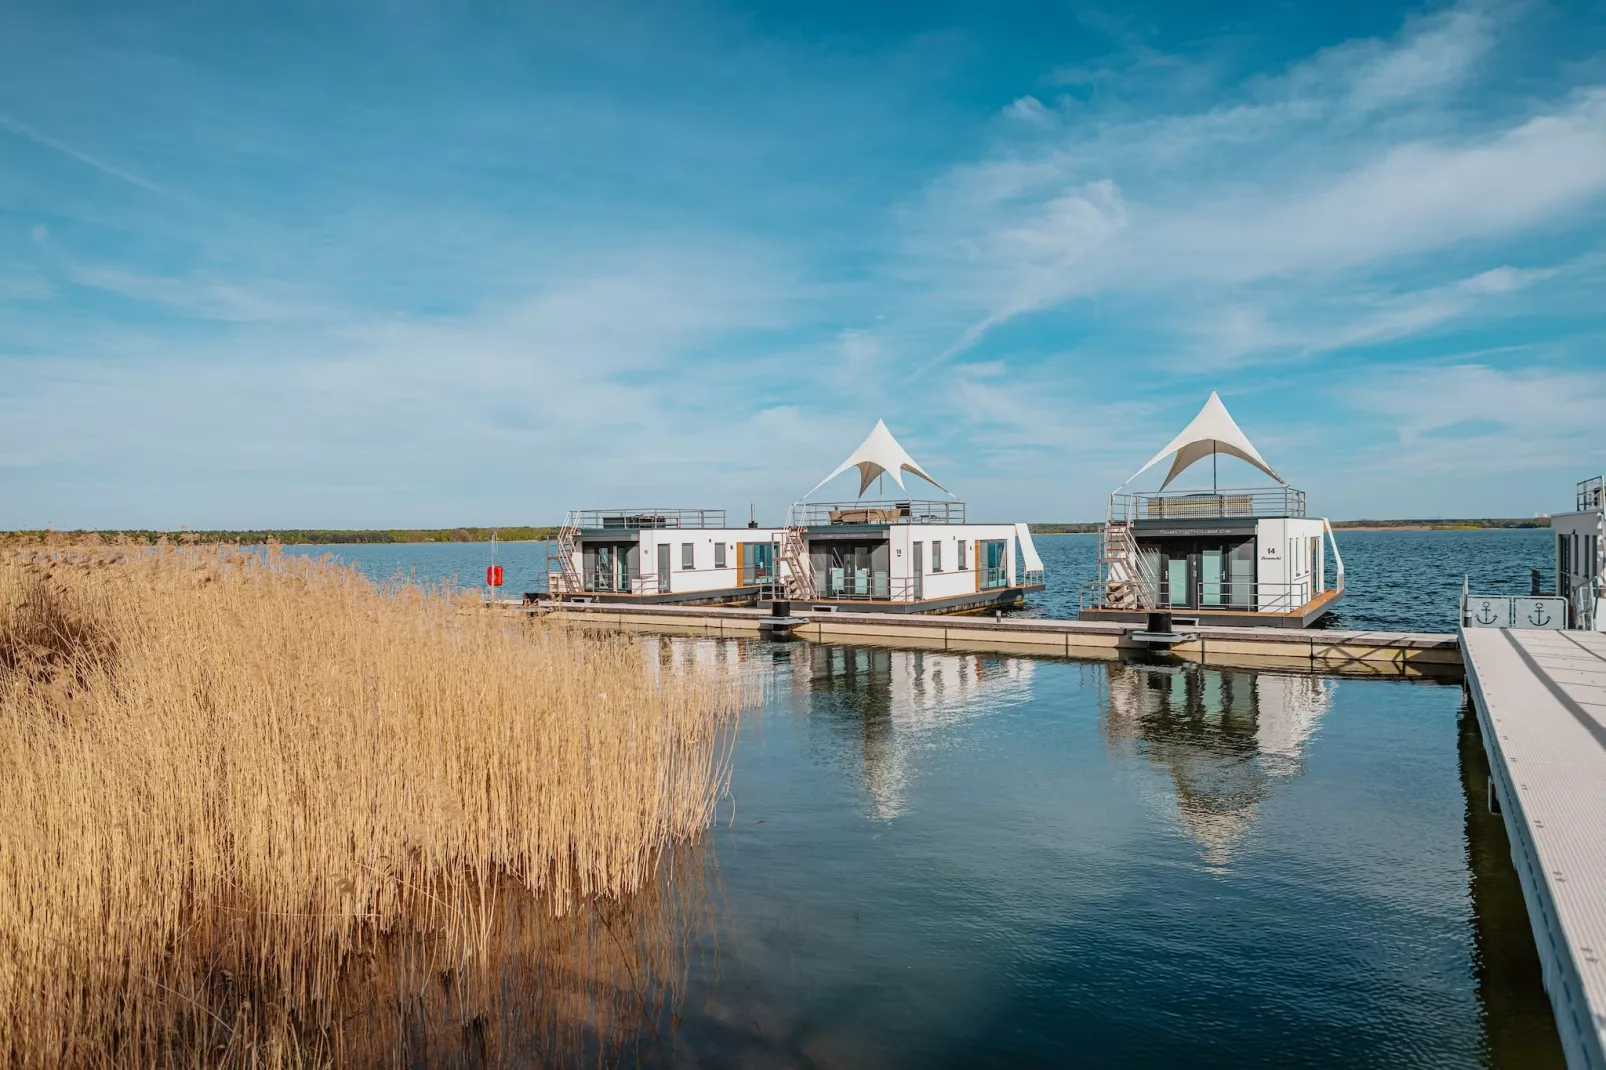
x,y
1217,557
1581,556
682,556
901,556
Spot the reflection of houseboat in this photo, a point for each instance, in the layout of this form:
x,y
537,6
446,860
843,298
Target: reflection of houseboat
x,y
901,556
1225,738
1216,557
1581,556
886,704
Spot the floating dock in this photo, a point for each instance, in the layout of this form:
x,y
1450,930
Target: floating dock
x,y
1540,698
1347,652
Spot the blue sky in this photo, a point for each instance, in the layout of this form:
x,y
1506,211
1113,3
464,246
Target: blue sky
x,y
404,264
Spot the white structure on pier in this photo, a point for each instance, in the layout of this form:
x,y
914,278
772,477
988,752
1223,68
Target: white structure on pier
x,y
1581,556
1223,556
905,555
902,555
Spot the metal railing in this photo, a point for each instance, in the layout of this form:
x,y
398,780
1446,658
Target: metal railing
x,y
1207,505
637,519
838,584
1591,494
821,514
1244,596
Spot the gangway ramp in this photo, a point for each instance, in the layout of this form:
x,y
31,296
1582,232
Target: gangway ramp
x,y
1540,698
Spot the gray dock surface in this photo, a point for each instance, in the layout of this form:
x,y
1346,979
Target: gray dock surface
x,y
1315,650
1541,703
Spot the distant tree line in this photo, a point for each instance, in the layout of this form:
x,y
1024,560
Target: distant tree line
x,y
296,536
1431,525
1449,525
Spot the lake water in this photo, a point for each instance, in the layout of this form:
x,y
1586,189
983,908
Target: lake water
x,y
945,859
1395,580
935,859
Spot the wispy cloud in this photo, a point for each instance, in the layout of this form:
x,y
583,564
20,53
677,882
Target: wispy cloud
x,y
1281,186
28,133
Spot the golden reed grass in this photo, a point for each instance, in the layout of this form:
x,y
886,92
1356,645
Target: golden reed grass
x,y
255,810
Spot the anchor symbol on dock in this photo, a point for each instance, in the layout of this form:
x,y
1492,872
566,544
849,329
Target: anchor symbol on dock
x,y
1486,614
1539,618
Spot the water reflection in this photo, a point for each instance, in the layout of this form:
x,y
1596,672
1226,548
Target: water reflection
x,y
1225,738
891,702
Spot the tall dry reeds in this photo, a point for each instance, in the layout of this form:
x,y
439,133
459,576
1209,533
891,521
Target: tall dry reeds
x,y
255,810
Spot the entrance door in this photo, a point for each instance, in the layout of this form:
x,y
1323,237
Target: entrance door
x,y
1210,578
663,568
1178,582
920,568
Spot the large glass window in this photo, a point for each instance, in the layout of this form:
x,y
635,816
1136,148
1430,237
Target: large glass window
x,y
960,544
992,557
686,558
719,555
936,555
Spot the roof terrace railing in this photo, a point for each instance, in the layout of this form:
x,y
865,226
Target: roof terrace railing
x,y
822,514
1208,505
1591,494
630,519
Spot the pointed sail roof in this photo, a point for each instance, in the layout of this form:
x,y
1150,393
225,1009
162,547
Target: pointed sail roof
x,y
879,454
1212,431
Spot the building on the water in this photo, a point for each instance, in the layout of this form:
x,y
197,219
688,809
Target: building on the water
x,y
1581,556
682,556
900,555
1247,556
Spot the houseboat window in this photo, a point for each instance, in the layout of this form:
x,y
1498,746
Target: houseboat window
x,y
686,557
959,544
936,555
719,555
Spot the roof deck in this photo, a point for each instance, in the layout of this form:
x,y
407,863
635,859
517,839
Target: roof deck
x,y
825,514
635,519
1591,494
1252,502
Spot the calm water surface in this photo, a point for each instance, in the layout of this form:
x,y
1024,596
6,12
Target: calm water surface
x,y
956,860
1395,580
940,859
934,859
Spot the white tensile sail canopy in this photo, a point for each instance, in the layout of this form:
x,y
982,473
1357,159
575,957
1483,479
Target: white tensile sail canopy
x,y
879,454
1212,431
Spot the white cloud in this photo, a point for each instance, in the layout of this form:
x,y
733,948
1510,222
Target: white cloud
x,y
1029,109
1282,190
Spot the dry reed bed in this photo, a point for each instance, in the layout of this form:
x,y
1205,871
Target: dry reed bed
x,y
241,793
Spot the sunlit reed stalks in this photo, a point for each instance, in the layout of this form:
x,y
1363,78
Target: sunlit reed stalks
x,y
255,810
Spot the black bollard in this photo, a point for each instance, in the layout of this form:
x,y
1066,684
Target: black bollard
x,y
1160,622
780,608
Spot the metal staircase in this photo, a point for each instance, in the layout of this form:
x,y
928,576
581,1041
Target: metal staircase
x,y
1126,585
798,573
565,579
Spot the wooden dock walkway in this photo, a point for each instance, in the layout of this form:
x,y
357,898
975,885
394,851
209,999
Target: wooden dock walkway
x,y
1318,650
1541,703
